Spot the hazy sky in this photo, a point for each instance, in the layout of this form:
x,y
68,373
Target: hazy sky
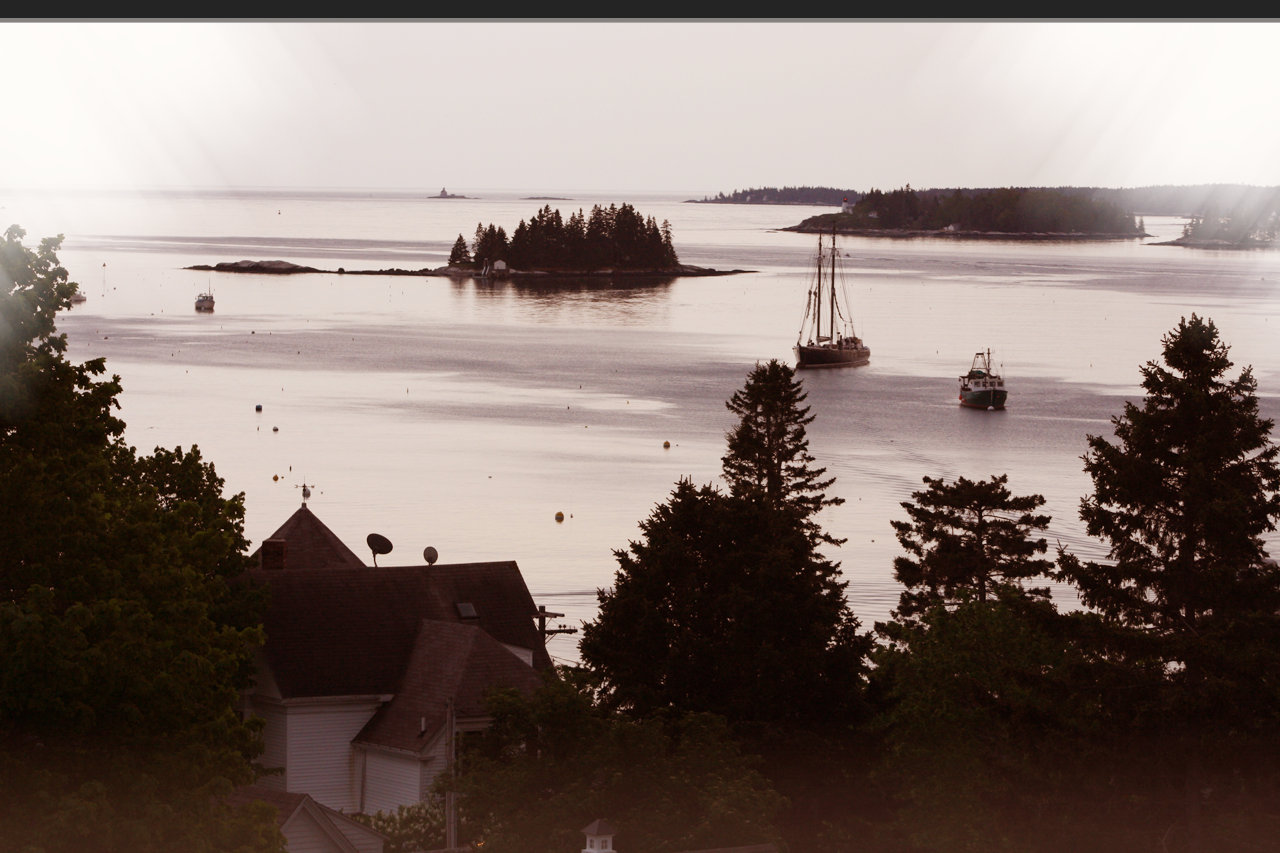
x,y
645,106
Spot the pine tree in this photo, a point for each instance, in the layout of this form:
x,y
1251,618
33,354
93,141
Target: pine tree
x,y
968,539
768,458
460,254
725,605
1189,601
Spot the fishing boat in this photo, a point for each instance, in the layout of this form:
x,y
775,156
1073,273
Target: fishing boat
x,y
828,341
204,302
982,387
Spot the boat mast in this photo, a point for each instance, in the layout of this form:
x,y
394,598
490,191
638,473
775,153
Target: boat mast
x,y
817,296
832,338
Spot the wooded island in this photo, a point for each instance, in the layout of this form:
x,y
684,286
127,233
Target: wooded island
x,y
998,212
616,238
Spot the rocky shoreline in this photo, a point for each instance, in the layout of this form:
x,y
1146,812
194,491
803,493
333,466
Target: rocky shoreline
x,y
286,268
1232,245
903,234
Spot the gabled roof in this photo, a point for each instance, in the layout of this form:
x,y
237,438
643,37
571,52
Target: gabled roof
x,y
448,660
342,832
312,545
351,631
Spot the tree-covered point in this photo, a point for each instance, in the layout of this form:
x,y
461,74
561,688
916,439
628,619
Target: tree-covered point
x,y
1011,211
617,237
783,195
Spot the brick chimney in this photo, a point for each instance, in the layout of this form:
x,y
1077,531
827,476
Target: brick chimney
x,y
273,553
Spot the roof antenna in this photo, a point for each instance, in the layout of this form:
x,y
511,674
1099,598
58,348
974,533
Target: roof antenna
x,y
378,544
306,492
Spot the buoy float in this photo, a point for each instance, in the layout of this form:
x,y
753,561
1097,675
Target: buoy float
x,y
275,429
275,478
666,445
559,517
258,408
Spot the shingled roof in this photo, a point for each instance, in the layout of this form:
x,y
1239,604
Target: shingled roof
x,y
312,545
448,661
350,632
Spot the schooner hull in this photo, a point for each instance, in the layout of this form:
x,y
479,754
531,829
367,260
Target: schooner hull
x,y
813,356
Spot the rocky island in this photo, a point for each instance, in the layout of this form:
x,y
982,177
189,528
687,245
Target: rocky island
x,y
611,242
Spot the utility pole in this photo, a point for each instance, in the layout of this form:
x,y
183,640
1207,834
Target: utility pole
x,y
450,798
543,616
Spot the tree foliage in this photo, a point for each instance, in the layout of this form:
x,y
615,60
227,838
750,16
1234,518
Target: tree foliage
x,y
123,648
1009,210
768,455
967,539
551,764
726,605
1189,602
460,254
617,237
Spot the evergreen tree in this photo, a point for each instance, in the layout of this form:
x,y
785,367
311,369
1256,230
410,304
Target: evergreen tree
x,y
123,643
460,254
725,605
1189,601
768,455
968,539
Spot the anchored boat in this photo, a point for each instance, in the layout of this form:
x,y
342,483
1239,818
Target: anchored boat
x,y
828,341
982,387
204,302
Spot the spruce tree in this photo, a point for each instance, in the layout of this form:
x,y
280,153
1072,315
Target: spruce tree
x,y
768,458
725,605
1189,601
460,254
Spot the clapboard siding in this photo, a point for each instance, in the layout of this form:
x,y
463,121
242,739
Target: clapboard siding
x,y
363,839
391,781
275,739
433,762
304,835
321,759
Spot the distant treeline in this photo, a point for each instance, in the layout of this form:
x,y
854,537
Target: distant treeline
x,y
785,195
1161,200
1006,210
610,238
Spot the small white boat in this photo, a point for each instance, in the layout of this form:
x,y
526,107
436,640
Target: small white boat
x,y
204,302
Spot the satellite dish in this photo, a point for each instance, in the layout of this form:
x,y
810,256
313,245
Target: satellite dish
x,y
430,555
378,544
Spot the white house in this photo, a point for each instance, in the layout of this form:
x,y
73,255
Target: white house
x,y
367,673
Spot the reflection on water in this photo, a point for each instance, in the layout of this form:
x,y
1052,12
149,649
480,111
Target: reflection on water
x,y
465,413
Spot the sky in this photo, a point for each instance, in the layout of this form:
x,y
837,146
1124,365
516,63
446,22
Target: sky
x,y
698,107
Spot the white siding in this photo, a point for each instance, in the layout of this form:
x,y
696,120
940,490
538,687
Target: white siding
x,y
362,838
275,736
390,781
303,835
432,764
321,759
524,654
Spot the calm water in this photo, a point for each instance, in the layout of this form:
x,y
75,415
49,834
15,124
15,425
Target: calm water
x,y
464,415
